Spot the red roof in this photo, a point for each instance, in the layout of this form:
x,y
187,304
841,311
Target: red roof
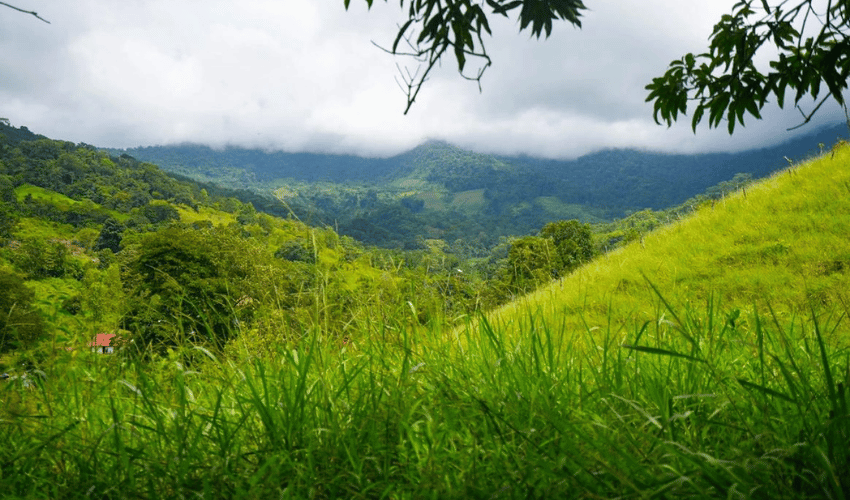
x,y
103,339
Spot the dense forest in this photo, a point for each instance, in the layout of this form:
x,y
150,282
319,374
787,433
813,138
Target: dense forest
x,y
438,190
111,243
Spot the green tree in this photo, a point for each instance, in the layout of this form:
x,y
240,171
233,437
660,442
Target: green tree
x,y
183,284
7,190
8,221
723,81
158,211
296,251
247,214
8,203
532,261
573,242
110,236
43,259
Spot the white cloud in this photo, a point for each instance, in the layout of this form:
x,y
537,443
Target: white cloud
x,y
300,75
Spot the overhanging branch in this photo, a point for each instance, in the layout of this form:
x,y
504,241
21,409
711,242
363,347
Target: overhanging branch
x,y
25,12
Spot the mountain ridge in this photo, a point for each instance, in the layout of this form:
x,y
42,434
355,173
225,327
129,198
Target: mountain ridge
x,y
619,179
448,192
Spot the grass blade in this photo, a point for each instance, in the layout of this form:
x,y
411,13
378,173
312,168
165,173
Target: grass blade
x,y
662,352
765,390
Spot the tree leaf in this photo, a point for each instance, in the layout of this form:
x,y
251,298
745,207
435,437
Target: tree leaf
x,y
401,34
697,117
753,108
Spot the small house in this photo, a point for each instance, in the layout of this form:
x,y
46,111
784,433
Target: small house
x,y
103,343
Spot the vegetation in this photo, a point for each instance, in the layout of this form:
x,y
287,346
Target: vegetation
x,y
439,191
723,80
679,411
781,242
459,24
704,353
20,325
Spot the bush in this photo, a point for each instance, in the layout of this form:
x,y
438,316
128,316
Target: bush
x,y
181,283
295,251
20,324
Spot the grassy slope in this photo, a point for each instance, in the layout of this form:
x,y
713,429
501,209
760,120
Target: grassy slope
x,y
706,407
38,193
59,200
783,242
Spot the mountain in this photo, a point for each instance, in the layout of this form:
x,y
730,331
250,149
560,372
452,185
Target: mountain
x,y
616,179
626,179
480,193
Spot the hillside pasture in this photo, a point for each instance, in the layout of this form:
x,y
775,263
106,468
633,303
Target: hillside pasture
x,y
781,242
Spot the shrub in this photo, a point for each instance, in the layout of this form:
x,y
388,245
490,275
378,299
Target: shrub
x,y
183,282
20,324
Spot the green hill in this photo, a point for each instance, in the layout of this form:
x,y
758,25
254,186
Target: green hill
x,y
782,241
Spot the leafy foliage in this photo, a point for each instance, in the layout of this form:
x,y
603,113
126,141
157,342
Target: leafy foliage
x,y
437,190
560,247
110,236
725,81
184,281
433,27
572,241
20,324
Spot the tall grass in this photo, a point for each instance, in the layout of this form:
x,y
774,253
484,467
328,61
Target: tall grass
x,y
701,401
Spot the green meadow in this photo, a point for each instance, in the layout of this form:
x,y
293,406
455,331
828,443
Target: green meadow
x,y
708,359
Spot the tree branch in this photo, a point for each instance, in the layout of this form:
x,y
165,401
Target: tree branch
x,y
808,118
25,12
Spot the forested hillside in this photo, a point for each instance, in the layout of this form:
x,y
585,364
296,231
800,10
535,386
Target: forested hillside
x,y
111,243
91,242
438,190
76,222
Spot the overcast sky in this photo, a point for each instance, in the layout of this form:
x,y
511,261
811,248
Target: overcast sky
x,y
303,75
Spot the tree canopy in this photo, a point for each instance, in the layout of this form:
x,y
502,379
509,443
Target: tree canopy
x,y
724,80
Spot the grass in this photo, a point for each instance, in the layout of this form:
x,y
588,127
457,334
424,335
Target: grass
x,y
215,217
704,403
60,201
31,227
37,193
783,241
469,202
557,209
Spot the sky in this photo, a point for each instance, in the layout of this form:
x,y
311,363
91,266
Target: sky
x,y
305,75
